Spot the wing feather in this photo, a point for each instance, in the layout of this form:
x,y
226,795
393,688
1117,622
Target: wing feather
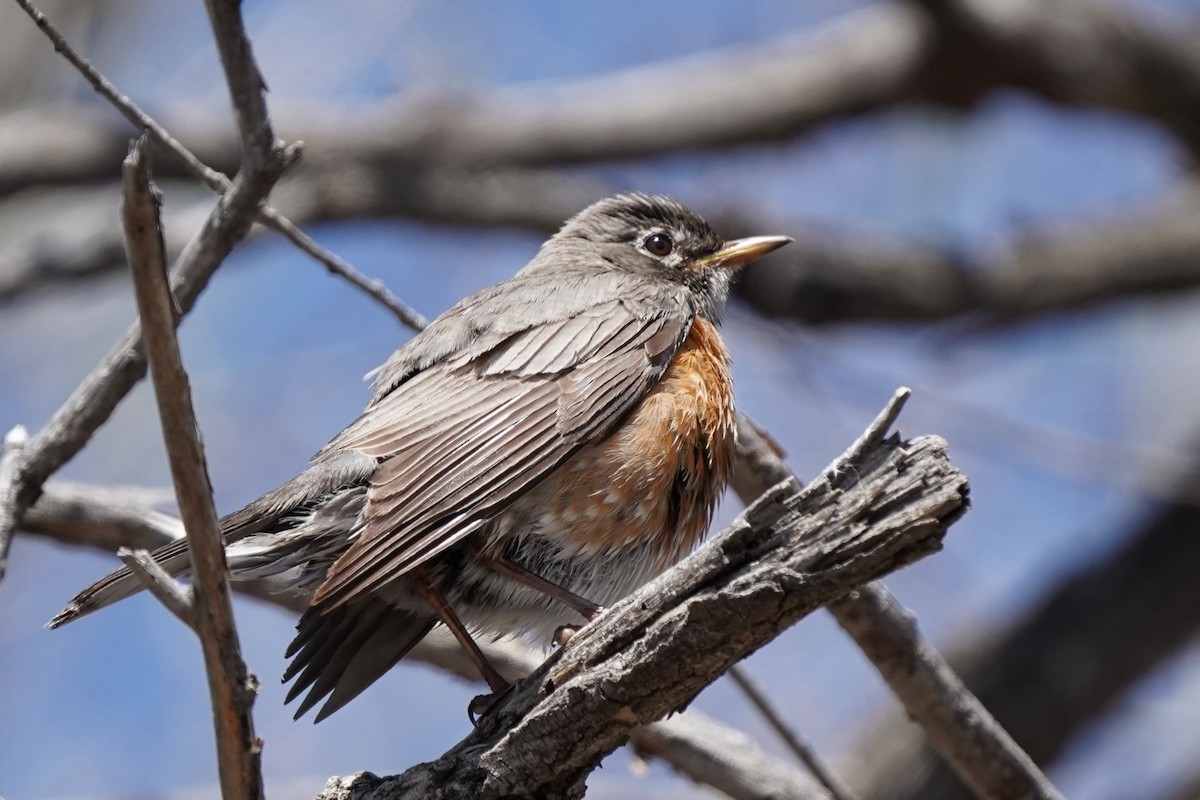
x,y
461,440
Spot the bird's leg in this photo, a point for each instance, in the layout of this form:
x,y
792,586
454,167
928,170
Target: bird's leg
x,y
511,569
495,681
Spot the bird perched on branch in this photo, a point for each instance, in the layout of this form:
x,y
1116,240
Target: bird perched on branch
x,y
541,450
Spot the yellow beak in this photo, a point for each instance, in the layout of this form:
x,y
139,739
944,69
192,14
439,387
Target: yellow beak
x,y
740,252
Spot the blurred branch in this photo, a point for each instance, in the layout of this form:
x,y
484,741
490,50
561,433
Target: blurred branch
x,y
723,758
1100,631
104,518
1074,52
260,149
790,552
1049,272
944,52
821,279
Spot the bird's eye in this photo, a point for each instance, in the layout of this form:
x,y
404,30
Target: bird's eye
x,y
659,244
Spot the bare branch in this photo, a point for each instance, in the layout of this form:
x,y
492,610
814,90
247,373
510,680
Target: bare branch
x,y
179,599
945,52
1073,52
956,722
791,551
103,518
982,753
211,613
12,462
247,89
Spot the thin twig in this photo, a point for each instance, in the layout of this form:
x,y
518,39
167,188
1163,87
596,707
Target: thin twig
x,y
728,760
179,599
232,688
800,748
213,178
933,695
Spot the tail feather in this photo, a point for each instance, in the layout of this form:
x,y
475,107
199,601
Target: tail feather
x,y
173,557
337,472
348,649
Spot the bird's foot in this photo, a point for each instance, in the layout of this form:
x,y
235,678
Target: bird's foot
x,y
564,633
481,704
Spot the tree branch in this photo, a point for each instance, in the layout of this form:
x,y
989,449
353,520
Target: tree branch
x,y
209,611
943,52
957,723
180,600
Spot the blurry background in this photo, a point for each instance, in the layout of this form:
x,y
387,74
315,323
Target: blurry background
x,y
994,204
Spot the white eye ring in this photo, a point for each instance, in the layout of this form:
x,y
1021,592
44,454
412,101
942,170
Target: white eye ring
x,y
659,244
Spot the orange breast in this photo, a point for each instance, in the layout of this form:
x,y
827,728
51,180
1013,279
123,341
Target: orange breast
x,y
661,473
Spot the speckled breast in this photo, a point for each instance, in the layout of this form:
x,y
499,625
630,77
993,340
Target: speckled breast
x,y
651,486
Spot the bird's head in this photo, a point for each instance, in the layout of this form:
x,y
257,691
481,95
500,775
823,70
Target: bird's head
x,y
655,235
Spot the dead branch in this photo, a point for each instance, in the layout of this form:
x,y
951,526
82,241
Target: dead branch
x,y
958,724
205,607
945,52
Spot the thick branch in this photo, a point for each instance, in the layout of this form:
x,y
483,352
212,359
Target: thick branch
x,y
103,518
958,724
653,652
819,280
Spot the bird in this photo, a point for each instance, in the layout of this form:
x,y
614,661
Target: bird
x,y
539,451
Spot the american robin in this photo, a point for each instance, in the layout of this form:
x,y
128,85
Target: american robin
x,y
548,444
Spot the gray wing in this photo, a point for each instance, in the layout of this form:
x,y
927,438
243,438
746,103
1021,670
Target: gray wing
x,y
338,471
463,438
